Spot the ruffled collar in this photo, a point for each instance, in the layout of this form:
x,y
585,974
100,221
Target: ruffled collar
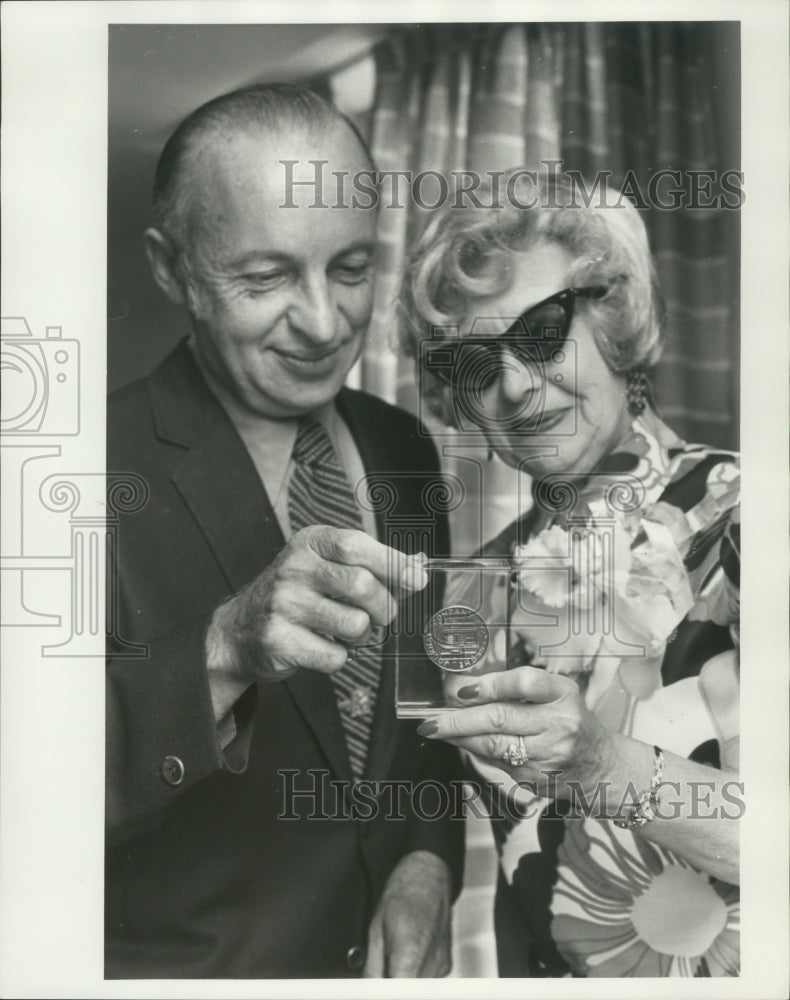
x,y
647,453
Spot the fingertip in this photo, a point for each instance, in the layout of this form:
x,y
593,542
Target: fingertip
x,y
414,577
339,659
359,626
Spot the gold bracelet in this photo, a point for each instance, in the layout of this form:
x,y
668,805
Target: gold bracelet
x,y
647,801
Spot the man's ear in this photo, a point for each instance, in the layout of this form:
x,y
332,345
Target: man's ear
x,y
163,257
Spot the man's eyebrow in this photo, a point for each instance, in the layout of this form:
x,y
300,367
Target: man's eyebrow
x,y
361,246
259,257
253,257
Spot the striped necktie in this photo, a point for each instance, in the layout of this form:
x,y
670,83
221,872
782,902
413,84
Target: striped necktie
x,y
320,493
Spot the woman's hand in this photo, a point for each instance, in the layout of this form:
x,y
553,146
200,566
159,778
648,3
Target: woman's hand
x,y
559,734
699,805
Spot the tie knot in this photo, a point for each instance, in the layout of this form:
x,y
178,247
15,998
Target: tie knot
x,y
312,445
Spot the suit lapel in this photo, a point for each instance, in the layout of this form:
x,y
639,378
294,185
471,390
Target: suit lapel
x,y
216,476
219,483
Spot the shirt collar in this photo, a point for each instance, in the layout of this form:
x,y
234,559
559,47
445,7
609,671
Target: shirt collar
x,y
269,440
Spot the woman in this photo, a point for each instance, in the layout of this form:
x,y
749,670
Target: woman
x,y
617,721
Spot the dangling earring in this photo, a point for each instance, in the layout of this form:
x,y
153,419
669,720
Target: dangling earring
x,y
636,390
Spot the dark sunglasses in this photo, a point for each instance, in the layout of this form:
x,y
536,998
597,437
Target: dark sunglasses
x,y
476,362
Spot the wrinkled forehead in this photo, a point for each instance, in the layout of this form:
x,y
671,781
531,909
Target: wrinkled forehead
x,y
258,178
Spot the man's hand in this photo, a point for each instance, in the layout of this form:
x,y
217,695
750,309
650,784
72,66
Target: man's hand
x,y
410,931
324,593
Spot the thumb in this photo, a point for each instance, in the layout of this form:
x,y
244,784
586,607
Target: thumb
x,y
374,964
405,960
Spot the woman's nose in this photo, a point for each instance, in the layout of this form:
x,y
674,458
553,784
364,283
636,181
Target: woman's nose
x,y
518,379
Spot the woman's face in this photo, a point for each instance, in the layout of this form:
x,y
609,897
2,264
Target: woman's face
x,y
553,416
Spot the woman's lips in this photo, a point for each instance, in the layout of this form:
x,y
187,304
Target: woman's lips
x,y
542,422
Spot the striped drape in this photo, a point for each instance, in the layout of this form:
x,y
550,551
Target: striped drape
x,y
621,97
641,97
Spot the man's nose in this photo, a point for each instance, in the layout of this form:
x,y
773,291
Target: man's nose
x,y
518,379
313,312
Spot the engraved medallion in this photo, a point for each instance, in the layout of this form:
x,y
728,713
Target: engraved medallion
x,y
456,638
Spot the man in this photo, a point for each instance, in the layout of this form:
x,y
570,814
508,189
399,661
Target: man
x,y
263,681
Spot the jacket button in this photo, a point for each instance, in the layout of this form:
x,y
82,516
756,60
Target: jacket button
x,y
173,770
355,957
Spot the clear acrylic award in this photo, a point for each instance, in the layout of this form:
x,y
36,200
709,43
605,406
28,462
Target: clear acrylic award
x,y
468,632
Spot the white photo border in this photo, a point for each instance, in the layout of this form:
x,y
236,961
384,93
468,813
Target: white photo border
x,y
54,274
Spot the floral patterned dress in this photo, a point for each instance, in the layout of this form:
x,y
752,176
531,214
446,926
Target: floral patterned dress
x,y
577,895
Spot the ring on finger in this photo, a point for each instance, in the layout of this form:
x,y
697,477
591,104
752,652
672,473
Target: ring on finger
x,y
516,753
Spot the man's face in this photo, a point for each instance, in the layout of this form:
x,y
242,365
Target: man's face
x,y
280,298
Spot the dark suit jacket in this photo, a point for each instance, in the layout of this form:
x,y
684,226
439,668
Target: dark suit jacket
x,y
202,878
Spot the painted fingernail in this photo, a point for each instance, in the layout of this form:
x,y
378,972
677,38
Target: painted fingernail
x,y
427,728
470,691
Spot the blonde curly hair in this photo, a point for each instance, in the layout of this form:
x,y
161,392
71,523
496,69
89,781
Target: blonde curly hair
x,y
463,254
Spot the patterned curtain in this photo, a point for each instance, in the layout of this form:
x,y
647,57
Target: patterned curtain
x,y
629,98
641,97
